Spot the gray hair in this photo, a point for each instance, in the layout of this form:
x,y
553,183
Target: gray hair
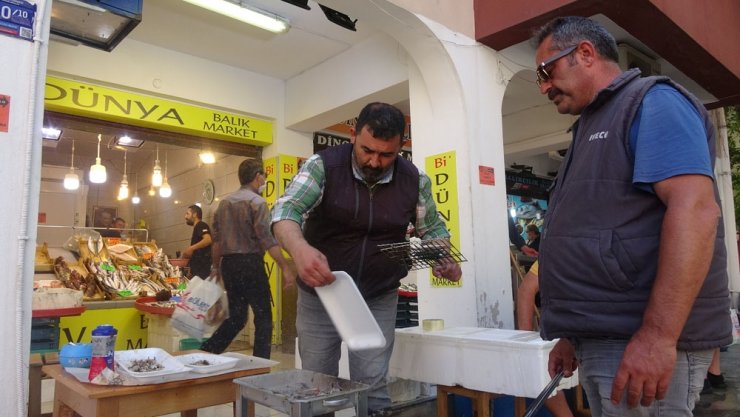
x,y
568,31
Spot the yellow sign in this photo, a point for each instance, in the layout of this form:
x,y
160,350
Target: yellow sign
x,y
270,265
97,102
130,323
442,169
288,169
278,173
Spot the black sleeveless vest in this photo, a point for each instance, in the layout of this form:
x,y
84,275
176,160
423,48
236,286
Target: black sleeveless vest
x,y
353,219
600,241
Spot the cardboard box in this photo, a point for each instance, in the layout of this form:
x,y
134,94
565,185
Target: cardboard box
x,y
511,362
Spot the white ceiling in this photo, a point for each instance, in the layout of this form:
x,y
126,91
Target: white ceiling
x,y
312,38
180,26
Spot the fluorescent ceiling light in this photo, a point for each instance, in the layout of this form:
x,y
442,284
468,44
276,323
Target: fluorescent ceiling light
x,y
129,142
50,133
253,16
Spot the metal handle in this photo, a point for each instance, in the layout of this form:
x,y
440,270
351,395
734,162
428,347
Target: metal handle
x,y
336,403
537,404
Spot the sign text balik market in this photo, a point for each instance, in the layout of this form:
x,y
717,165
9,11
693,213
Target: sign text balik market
x,y
97,102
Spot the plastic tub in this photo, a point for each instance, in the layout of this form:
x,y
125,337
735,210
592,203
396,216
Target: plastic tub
x,y
75,355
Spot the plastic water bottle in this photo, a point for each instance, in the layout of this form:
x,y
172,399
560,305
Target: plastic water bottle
x,y
103,348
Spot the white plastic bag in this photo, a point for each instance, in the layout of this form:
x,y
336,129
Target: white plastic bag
x,y
190,313
735,326
220,309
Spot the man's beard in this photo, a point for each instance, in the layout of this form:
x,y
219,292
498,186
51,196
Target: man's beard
x,y
190,222
372,175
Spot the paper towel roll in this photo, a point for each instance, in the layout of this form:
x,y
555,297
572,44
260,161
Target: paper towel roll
x,y
432,324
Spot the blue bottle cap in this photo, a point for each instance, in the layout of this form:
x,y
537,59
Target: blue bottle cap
x,y
104,330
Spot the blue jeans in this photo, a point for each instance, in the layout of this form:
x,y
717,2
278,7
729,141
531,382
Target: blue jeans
x,y
319,344
598,362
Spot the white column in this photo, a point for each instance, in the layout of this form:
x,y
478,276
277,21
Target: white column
x,y
22,70
723,172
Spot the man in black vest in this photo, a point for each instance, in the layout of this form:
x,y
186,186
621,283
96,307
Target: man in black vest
x,y
632,259
350,198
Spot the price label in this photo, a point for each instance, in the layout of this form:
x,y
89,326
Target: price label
x,y
134,267
17,18
107,266
125,293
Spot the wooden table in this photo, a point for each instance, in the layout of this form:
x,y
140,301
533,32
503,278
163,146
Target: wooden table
x,y
185,396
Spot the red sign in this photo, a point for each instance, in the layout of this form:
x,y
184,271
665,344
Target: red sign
x,y
4,112
486,175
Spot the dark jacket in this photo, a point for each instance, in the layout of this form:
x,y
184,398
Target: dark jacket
x,y
601,237
353,219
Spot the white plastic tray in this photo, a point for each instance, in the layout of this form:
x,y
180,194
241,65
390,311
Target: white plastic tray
x,y
215,362
171,365
350,314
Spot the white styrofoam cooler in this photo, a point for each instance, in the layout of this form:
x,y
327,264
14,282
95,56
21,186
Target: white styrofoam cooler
x,y
512,362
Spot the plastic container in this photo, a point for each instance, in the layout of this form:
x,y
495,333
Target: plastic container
x,y
191,343
433,357
103,348
75,355
512,362
350,314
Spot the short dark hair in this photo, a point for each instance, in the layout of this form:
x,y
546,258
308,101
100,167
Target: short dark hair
x,y
383,120
569,30
533,228
248,169
195,209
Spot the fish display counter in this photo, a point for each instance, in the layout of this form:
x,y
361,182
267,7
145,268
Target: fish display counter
x,y
110,274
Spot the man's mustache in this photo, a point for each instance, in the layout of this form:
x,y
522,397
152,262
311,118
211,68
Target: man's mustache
x,y
552,93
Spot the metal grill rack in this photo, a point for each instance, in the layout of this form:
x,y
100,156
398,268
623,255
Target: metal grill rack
x,y
422,254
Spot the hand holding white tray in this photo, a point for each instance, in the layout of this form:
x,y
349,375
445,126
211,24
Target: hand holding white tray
x,y
350,314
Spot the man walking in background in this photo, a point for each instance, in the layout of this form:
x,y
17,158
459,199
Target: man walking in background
x,y
241,235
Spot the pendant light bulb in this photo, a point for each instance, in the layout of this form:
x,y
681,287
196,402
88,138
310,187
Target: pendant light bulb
x,y
71,180
165,191
152,192
157,172
123,190
97,171
135,199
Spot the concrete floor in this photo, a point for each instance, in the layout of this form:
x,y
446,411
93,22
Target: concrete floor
x,y
725,402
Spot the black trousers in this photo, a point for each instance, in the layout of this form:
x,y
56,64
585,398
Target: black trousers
x,y
246,285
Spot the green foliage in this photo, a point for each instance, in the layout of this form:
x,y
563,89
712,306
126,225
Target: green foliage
x,y
732,116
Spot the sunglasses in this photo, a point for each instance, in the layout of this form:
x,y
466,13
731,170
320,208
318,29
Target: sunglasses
x,y
544,69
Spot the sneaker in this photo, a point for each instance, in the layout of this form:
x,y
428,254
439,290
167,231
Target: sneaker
x,y
716,381
707,388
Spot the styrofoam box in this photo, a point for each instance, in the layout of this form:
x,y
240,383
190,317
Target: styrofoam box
x,y
512,362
